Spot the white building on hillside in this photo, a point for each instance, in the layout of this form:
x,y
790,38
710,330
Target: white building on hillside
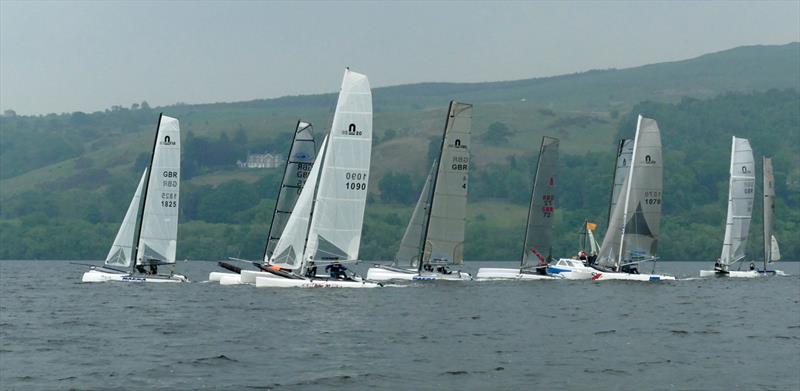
x,y
262,160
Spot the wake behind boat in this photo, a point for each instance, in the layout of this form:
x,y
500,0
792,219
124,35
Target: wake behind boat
x,y
539,227
151,220
324,229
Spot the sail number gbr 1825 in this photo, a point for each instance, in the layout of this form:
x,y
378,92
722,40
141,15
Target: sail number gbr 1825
x,y
355,181
169,180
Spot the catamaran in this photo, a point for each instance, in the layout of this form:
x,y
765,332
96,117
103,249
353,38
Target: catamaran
x,y
298,165
406,261
539,227
440,242
741,191
632,235
151,221
324,230
579,268
771,251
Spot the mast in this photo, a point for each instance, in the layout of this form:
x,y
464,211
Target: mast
x,y
530,204
628,193
768,205
144,196
433,188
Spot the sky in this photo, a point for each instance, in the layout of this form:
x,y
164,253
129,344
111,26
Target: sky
x,y
60,56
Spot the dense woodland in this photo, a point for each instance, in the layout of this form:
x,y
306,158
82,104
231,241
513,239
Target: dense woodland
x,y
68,178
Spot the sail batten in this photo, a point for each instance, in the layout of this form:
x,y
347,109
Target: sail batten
x,y
538,230
158,231
740,202
298,166
121,252
444,233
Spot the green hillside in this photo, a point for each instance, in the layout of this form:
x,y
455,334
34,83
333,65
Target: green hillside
x,y
66,179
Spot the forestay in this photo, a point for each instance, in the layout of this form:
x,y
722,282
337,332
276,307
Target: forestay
x,y
121,252
410,246
289,250
298,165
740,201
337,219
633,230
444,238
159,226
538,230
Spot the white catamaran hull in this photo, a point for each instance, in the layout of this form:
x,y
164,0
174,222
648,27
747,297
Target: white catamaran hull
x,y
101,276
217,276
491,273
390,273
601,275
571,269
434,276
742,274
280,282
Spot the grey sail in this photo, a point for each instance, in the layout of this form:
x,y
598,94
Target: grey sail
x,y
121,252
444,236
740,202
624,154
298,165
538,232
633,230
769,209
410,246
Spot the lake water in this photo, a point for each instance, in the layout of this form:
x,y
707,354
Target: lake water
x,y
712,334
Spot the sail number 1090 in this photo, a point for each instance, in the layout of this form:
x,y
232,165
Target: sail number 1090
x,y
355,181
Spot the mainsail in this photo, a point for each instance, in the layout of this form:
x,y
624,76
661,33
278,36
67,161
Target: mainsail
x,y
624,155
288,253
538,230
158,231
121,252
633,231
338,215
769,209
298,165
740,201
444,234
410,246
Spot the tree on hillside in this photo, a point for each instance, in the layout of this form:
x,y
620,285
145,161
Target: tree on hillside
x,y
397,188
497,134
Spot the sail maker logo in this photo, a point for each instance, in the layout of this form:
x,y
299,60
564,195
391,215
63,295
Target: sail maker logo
x,y
352,131
167,141
649,160
457,144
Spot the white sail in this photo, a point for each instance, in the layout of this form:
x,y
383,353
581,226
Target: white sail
x,y
288,253
775,251
159,227
338,216
121,252
410,249
740,201
770,244
633,230
541,212
298,165
444,238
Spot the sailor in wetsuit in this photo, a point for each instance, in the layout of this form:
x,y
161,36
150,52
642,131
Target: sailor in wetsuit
x,y
337,271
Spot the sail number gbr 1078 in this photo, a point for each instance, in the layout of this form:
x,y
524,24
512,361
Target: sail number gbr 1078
x,y
355,181
169,180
